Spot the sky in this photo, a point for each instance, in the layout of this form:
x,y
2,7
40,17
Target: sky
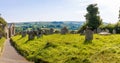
x,y
56,10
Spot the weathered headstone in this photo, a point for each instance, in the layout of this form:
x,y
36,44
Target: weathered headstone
x,y
51,31
57,31
23,33
98,30
46,31
95,31
0,36
72,32
114,31
107,30
31,35
82,32
64,30
39,33
88,34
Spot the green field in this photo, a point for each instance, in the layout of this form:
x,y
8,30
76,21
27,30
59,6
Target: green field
x,y
70,48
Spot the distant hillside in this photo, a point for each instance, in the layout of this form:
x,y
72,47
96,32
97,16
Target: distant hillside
x,y
71,25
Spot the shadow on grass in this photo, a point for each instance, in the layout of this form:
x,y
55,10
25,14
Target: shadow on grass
x,y
27,41
20,38
87,42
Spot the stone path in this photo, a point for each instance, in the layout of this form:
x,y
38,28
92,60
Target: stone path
x,y
10,55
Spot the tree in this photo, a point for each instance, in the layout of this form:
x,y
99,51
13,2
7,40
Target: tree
x,y
110,27
93,19
82,28
3,23
119,15
117,27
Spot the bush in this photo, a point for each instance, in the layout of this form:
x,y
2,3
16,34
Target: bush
x,y
117,27
82,28
110,27
3,23
102,26
2,40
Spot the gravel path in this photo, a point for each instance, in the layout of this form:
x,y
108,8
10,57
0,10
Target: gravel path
x,y
10,55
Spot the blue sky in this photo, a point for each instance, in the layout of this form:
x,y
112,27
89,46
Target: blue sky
x,y
56,10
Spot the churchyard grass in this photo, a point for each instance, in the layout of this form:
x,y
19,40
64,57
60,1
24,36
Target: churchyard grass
x,y
70,48
2,40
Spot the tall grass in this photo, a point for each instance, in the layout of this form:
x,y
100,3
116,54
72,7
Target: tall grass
x,y
69,48
2,40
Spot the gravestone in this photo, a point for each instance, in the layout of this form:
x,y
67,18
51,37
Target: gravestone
x,y
0,36
88,34
98,30
57,31
51,31
72,32
114,31
95,31
23,33
64,30
31,35
39,33
45,31
82,32
107,30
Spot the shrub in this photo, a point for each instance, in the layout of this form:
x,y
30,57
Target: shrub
x,y
82,28
117,27
110,27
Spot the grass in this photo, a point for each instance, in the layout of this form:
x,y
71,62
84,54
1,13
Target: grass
x,y
70,48
2,40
